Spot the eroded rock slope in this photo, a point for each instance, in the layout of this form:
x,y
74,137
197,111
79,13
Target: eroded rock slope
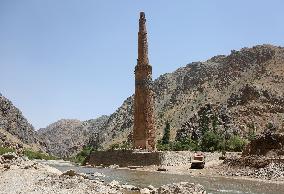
x,y
15,130
244,89
67,137
239,92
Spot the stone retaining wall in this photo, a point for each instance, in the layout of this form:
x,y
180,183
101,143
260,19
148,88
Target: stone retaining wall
x,y
125,158
175,158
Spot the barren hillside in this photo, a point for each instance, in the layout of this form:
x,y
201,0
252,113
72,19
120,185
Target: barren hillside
x,y
239,92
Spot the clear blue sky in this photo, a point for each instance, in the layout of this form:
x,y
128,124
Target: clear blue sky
x,y
75,59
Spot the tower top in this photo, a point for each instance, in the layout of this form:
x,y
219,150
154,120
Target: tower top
x,y
142,41
142,14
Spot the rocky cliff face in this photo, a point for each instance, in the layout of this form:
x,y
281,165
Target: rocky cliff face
x,y
67,137
15,130
242,91
237,93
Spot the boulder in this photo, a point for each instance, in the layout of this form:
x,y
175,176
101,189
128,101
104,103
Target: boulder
x,y
145,191
151,187
10,156
74,173
161,168
114,183
70,173
181,188
129,187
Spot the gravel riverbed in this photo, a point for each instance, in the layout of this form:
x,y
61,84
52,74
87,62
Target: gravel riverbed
x,y
19,175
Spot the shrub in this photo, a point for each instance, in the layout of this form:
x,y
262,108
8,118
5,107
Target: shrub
x,y
186,144
38,155
236,143
81,157
4,150
163,147
210,141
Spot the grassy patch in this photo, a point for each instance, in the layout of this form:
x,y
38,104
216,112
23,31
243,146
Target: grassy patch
x,y
4,150
38,155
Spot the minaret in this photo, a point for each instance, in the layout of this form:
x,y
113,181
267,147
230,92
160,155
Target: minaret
x,y
144,128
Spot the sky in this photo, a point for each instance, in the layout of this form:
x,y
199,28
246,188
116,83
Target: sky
x,y
75,59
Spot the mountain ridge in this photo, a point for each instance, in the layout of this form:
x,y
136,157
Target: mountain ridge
x,y
66,137
15,130
244,89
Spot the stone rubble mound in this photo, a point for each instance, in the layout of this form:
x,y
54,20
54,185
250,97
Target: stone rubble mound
x,y
272,171
12,161
182,187
272,145
262,158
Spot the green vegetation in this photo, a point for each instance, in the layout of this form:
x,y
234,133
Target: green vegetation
x,y
210,140
236,143
29,153
187,144
82,156
38,155
166,145
4,150
167,133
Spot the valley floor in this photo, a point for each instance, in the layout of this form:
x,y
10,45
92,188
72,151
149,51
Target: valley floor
x,y
19,175
272,173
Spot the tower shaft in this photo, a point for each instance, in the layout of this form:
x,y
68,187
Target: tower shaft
x,y
144,128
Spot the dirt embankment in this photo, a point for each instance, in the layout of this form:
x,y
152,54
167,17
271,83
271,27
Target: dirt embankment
x,y
262,158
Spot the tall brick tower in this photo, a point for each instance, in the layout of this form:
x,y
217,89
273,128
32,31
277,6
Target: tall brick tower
x,y
144,128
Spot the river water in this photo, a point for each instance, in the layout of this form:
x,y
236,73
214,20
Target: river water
x,y
143,179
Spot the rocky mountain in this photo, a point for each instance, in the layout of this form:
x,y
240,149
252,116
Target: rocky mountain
x,y
67,137
15,130
238,93
241,92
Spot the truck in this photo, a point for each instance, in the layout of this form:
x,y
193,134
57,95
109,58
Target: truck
x,y
198,160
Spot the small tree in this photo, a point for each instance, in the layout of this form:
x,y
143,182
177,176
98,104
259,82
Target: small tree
x,y
236,143
210,141
166,136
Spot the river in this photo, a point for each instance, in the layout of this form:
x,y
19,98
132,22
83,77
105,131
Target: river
x,y
212,185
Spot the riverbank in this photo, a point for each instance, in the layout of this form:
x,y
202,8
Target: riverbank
x,y
232,168
255,168
20,175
